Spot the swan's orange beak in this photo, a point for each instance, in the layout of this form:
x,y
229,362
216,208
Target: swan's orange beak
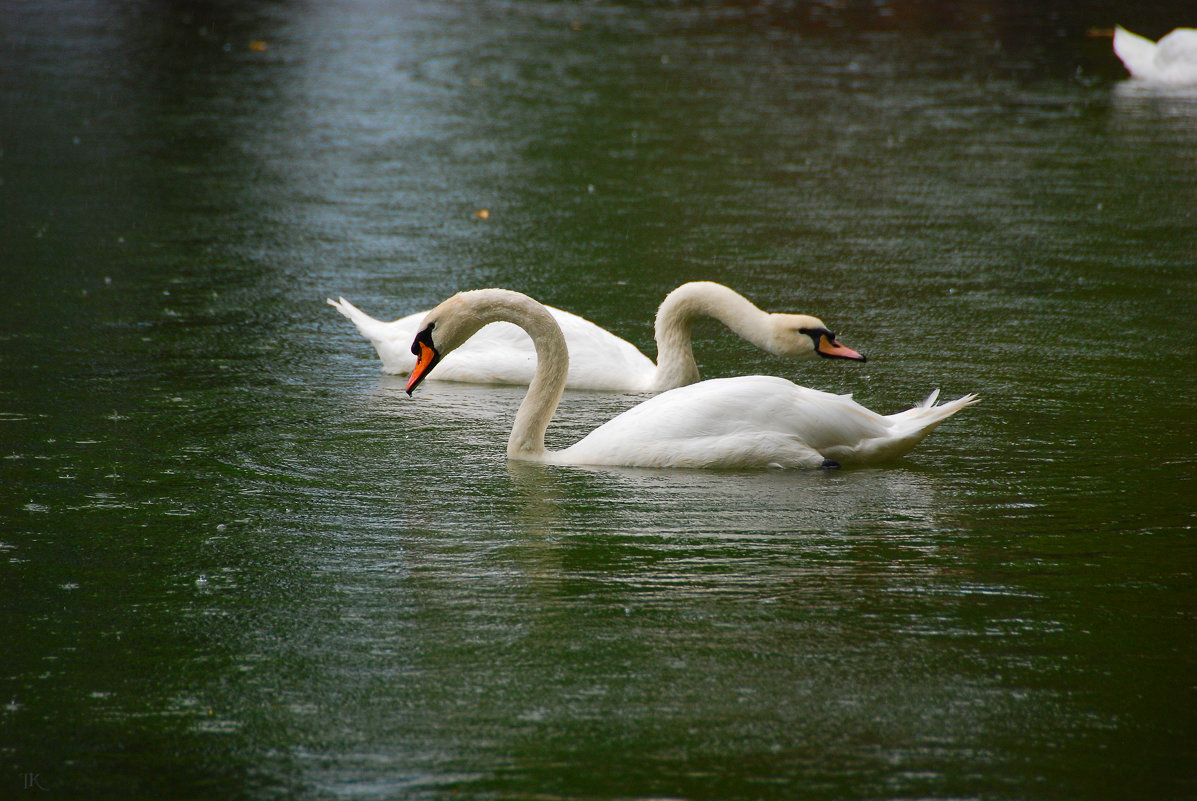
x,y
832,348
426,359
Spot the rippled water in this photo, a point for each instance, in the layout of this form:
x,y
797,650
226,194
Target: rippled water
x,y
236,561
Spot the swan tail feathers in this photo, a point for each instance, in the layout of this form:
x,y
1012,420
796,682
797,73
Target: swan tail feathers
x,y
949,408
1136,52
369,327
907,430
927,415
392,340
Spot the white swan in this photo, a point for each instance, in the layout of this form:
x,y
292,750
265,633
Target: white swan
x,y
1172,60
750,421
503,354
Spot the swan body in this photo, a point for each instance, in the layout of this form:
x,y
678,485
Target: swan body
x,y
749,421
504,354
1172,60
754,421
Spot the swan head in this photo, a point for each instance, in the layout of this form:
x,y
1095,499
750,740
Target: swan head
x,y
427,357
799,336
449,325
444,329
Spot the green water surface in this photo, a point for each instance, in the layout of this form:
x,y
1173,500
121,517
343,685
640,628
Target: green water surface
x,y
238,562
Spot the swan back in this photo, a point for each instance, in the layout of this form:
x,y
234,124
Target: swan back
x,y
749,421
1176,56
754,422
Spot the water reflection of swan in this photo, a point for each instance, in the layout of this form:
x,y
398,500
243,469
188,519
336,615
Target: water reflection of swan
x,y
503,353
723,505
751,421
1172,60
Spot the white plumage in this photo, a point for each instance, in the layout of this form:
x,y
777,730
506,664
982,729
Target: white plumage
x,y
503,354
1172,60
754,421
750,421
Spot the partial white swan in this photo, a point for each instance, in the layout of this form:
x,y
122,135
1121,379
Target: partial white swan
x,y
503,353
750,421
1172,60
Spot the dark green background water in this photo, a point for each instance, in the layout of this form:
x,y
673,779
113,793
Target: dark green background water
x,y
235,562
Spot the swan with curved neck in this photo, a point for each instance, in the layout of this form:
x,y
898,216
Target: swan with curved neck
x,y
504,354
750,421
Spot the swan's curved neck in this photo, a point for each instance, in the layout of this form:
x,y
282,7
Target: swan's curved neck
x,y
675,357
552,365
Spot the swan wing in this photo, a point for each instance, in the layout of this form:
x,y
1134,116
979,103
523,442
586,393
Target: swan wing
x,y
502,353
749,421
755,421
1176,56
599,359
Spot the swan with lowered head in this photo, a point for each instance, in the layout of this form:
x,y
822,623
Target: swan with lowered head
x,y
1172,60
750,421
503,353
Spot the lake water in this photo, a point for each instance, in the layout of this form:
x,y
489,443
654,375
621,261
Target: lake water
x,y
238,562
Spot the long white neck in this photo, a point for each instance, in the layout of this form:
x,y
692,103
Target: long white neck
x,y
552,365
675,357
